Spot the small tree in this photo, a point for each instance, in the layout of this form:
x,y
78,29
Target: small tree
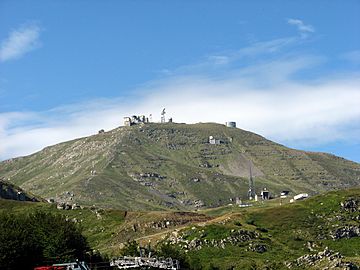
x,y
131,249
170,251
37,238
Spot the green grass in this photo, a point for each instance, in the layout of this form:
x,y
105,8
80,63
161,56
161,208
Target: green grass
x,y
285,230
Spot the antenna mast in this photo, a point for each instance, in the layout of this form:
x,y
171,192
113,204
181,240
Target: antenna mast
x,y
251,192
163,116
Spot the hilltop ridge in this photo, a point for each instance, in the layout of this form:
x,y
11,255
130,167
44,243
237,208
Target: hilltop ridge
x,y
173,166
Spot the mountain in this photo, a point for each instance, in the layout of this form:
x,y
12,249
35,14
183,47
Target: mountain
x,y
173,166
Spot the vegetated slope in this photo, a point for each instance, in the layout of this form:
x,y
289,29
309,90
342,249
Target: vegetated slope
x,y
163,166
322,232
107,229
304,235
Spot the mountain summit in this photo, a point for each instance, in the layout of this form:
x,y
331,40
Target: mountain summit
x,y
174,166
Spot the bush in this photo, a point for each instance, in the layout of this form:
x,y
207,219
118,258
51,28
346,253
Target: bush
x,y
238,223
194,263
250,221
167,250
262,229
212,267
131,249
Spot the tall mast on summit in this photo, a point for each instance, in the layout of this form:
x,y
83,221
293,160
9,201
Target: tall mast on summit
x,y
163,116
251,192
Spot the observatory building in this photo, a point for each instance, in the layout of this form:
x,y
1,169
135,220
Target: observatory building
x,y
135,119
231,124
212,140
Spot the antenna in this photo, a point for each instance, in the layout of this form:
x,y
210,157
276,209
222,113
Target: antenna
x,y
163,116
251,192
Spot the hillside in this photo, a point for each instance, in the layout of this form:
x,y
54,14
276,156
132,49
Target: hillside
x,y
173,166
322,232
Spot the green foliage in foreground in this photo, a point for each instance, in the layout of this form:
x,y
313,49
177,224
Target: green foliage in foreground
x,y
98,231
38,238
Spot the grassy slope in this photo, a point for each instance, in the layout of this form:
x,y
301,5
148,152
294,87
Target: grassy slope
x,y
97,227
175,151
107,229
285,229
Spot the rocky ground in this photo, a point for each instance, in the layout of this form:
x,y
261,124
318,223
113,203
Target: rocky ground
x,y
326,259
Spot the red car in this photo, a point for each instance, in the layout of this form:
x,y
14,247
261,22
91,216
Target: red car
x,y
50,268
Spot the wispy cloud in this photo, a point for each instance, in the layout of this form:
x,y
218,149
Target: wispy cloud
x,y
303,28
352,56
19,42
231,59
219,59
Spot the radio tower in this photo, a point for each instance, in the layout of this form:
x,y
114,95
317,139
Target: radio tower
x,y
163,116
251,192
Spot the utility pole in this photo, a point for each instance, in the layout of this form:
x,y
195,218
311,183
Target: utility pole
x,y
251,192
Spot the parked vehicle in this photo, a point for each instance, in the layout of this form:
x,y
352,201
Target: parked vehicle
x,y
65,266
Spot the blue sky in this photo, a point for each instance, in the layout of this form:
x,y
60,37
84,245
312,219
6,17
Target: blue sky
x,y
288,70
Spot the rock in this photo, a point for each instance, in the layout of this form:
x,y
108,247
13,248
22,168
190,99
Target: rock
x,y
237,236
346,232
259,248
311,246
351,205
205,165
332,260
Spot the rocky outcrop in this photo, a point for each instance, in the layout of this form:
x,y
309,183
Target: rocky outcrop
x,y
346,232
68,206
256,247
236,237
12,192
351,205
326,259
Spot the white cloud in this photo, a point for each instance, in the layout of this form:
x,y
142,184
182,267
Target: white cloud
x,y
302,27
219,59
20,42
285,110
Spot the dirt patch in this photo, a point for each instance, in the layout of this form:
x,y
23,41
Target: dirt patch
x,y
239,166
140,225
